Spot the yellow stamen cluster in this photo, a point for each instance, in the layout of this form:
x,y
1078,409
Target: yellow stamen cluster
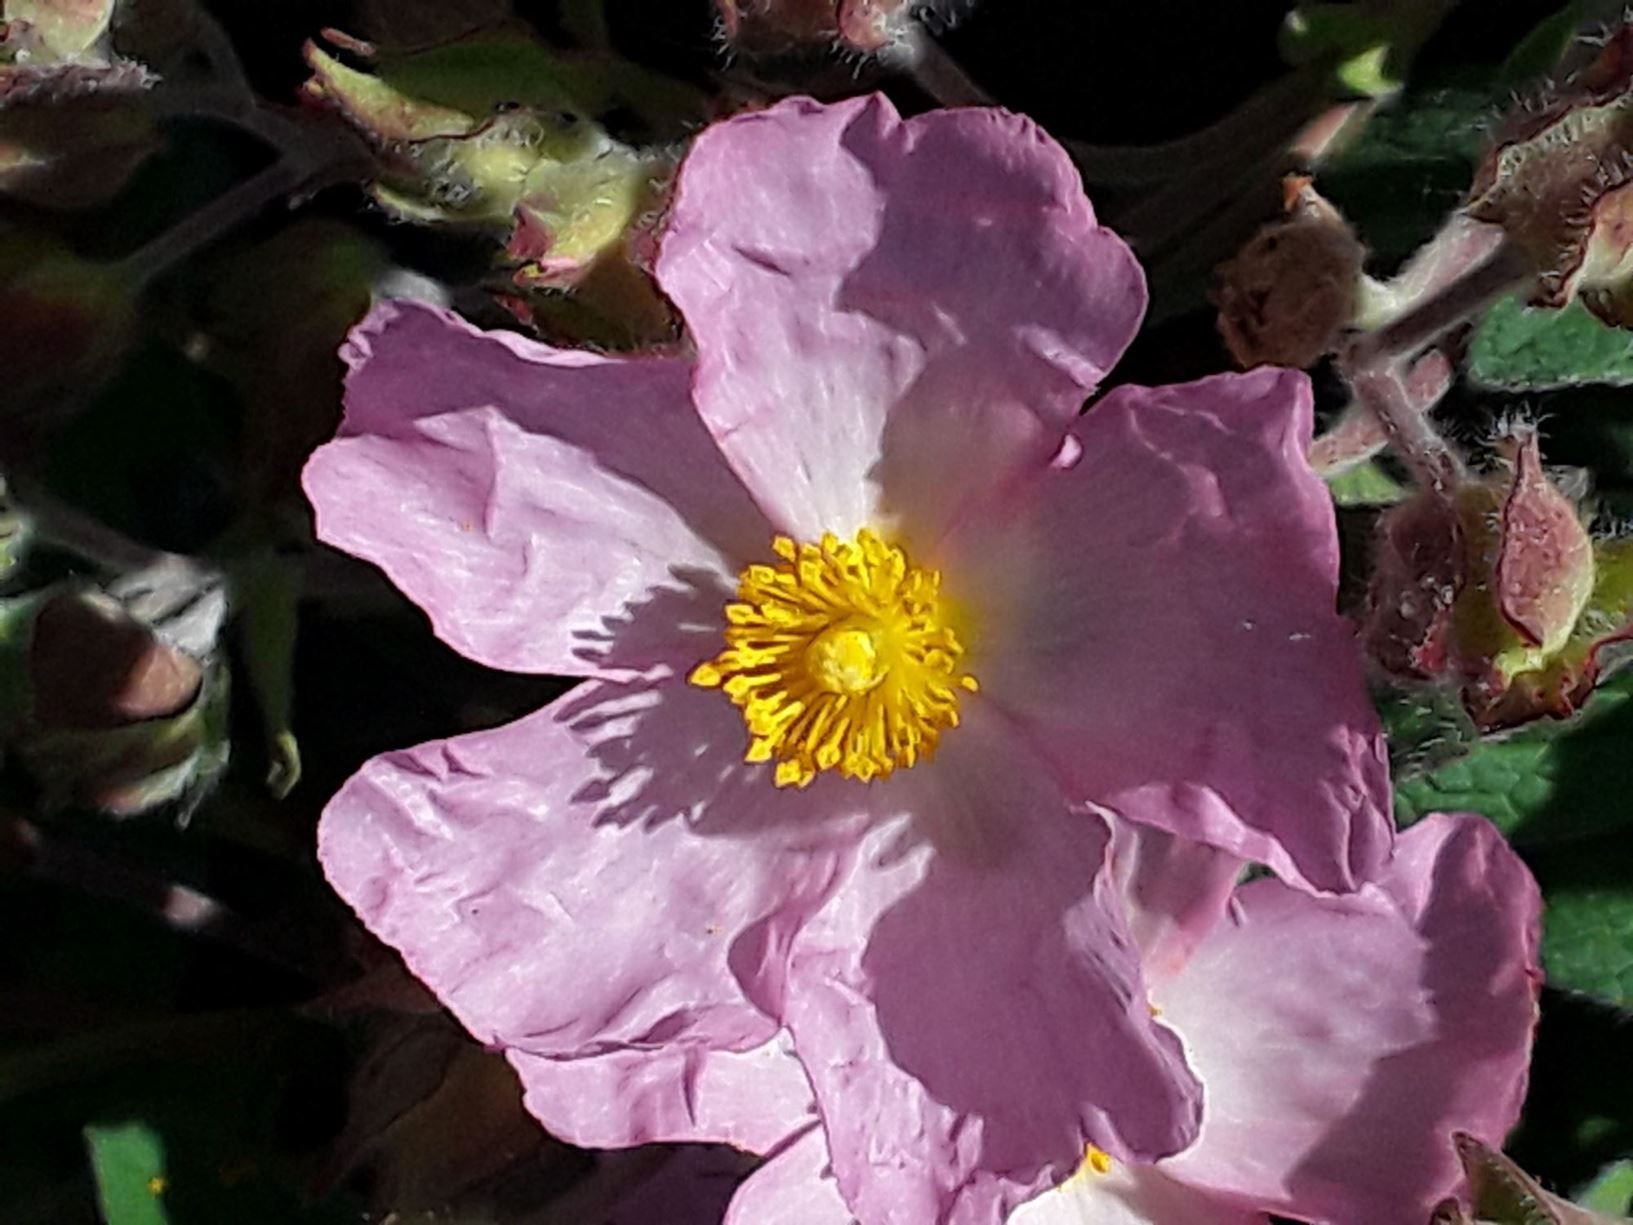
x,y
840,658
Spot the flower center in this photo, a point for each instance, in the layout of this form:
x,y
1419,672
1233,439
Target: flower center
x,y
840,658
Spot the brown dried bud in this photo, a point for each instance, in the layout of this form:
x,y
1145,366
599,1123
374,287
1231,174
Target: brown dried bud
x,y
1292,290
1557,179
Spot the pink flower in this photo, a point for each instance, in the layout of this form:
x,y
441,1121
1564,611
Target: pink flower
x,y
878,447
1341,1041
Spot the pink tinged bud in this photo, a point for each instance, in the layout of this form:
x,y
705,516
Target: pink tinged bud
x,y
51,50
769,27
114,718
868,25
93,666
1545,567
1419,570
1499,588
56,30
1288,294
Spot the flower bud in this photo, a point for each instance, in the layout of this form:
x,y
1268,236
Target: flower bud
x,y
1291,291
771,27
1558,180
1486,586
52,49
112,717
564,194
1503,1194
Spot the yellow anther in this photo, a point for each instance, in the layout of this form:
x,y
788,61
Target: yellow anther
x,y
1096,1161
840,658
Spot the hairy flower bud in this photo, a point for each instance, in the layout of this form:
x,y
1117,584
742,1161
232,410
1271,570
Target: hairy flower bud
x,y
1503,1194
768,27
1485,586
1289,293
466,133
108,715
52,49
1559,180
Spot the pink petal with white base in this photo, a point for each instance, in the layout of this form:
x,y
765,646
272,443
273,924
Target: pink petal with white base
x,y
528,497
890,315
1174,893
968,1008
1158,609
1343,1040
1130,1195
593,877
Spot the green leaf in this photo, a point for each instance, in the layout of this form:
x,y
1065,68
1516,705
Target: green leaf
x,y
1550,781
128,1162
1526,348
1610,1191
1410,167
1540,50
1365,485
1587,921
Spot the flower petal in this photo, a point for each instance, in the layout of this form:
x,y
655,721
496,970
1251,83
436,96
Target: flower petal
x,y
526,497
1174,893
890,314
1130,1195
755,1100
1343,1039
968,1007
1157,607
591,878
795,1187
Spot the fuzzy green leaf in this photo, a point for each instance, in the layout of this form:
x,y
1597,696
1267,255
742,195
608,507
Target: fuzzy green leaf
x,y
1550,781
1366,484
1587,924
1610,1191
1409,168
1528,348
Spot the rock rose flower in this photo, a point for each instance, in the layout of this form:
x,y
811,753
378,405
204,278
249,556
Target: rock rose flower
x,y
1341,1042
874,627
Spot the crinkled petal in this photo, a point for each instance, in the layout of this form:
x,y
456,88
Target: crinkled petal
x,y
1158,608
755,1100
890,314
1130,1195
1343,1039
1174,893
528,497
795,1187
969,1008
594,877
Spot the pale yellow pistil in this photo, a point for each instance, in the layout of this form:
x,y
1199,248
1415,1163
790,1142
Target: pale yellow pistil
x,y
840,658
